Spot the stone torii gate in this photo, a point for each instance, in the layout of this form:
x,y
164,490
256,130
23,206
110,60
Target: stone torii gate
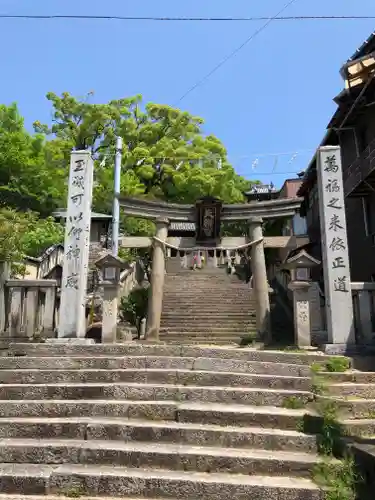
x,y
255,213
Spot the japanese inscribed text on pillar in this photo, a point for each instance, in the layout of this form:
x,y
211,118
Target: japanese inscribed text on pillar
x,y
337,285
76,246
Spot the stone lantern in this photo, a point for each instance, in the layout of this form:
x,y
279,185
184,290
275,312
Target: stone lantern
x,y
110,267
299,266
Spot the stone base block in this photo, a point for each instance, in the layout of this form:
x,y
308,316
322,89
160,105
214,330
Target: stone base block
x,y
70,341
349,349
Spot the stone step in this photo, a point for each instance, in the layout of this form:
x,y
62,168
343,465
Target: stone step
x,y
184,325
188,412
210,310
193,290
364,427
118,429
207,291
213,341
55,497
205,337
208,316
169,456
48,496
228,339
200,306
157,362
147,392
163,376
204,299
239,328
209,282
351,376
351,408
183,322
135,349
127,482
230,316
348,389
225,290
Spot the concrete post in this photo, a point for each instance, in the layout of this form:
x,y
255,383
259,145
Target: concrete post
x,y
4,276
155,301
110,305
15,320
301,312
32,294
260,283
365,316
49,312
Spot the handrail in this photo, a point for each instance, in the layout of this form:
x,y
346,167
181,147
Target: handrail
x,y
127,272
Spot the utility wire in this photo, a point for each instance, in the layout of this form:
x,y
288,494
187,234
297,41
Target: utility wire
x,y
184,19
235,51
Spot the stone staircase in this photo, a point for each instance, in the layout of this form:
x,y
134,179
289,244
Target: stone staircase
x,y
205,306
155,422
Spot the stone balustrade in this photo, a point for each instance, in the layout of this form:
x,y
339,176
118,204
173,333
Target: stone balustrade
x,y
363,294
363,308
29,309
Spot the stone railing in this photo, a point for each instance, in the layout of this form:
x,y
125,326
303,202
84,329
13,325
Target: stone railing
x,y
29,309
364,311
131,278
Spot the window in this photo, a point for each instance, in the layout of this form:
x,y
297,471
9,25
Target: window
x,y
299,225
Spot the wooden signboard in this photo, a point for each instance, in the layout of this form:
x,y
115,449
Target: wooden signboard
x,y
208,219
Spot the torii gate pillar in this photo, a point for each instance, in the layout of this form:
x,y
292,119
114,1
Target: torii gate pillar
x,y
260,282
155,300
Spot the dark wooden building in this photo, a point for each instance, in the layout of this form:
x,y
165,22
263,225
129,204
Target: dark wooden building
x,y
353,128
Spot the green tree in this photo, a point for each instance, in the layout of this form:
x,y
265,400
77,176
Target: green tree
x,y
165,154
27,179
23,233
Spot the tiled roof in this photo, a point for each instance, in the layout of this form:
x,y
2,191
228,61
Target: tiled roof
x,y
361,49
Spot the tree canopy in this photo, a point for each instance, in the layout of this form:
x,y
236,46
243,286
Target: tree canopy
x,y
24,233
166,155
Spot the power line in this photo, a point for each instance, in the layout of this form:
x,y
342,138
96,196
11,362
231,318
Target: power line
x,y
235,51
184,19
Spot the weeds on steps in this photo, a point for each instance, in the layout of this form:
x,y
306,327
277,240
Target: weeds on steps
x,y
335,364
337,477
293,403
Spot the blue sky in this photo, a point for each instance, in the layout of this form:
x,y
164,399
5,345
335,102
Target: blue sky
x,y
275,96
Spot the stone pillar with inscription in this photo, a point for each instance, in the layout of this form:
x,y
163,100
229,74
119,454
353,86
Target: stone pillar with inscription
x,y
337,284
72,322
260,283
155,301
